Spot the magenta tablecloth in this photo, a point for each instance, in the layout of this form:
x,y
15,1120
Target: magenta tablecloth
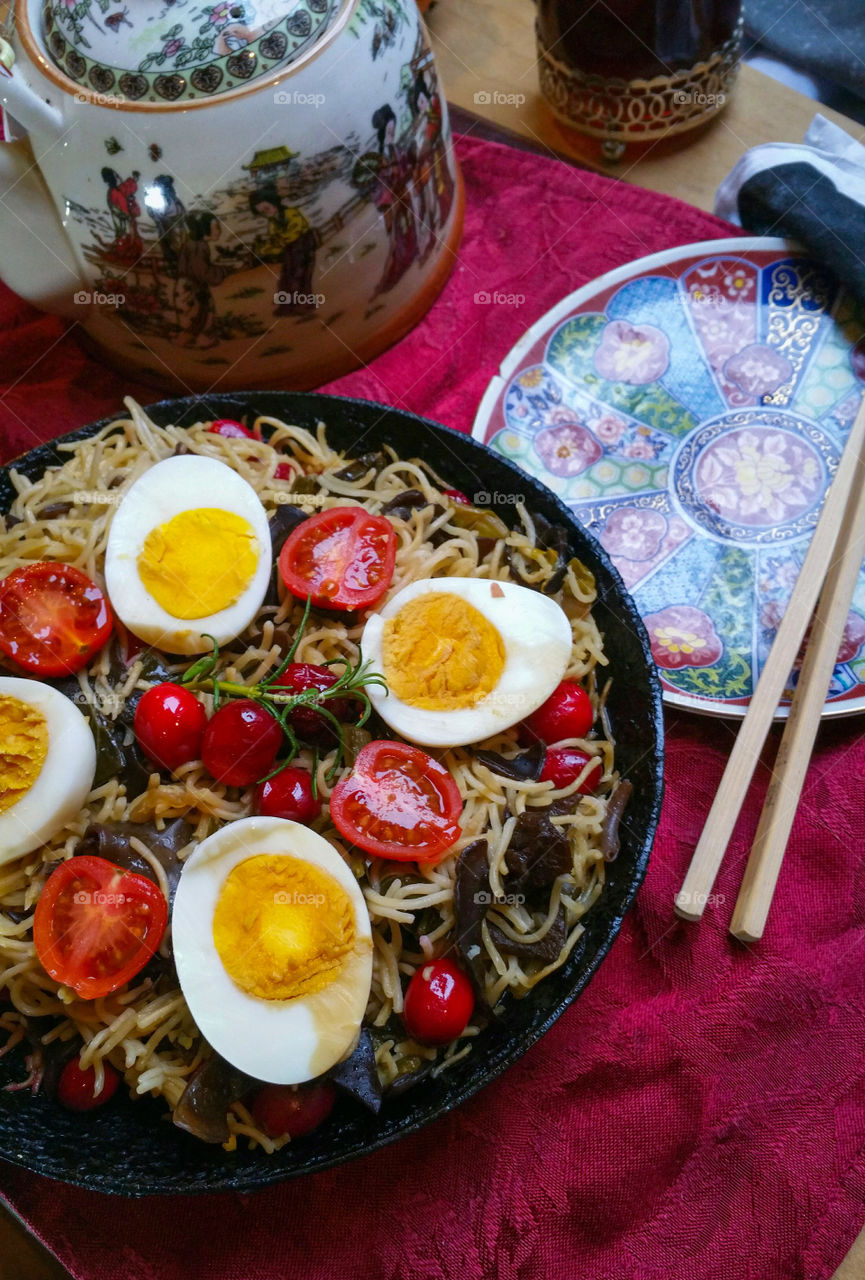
x,y
701,1111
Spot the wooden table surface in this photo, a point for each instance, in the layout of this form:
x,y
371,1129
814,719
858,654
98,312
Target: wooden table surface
x,y
486,48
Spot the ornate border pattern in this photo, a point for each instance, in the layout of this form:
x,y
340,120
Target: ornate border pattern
x,y
276,47
625,111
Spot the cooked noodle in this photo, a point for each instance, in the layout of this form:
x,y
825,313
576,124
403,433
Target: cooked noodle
x,y
145,1030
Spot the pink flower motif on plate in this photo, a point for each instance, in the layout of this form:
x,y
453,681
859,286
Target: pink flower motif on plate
x,y
567,449
637,354
853,638
560,414
759,476
851,641
639,449
610,429
757,369
634,533
682,636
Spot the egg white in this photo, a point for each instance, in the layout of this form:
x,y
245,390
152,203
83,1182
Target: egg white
x,y
65,778
537,639
279,1041
161,493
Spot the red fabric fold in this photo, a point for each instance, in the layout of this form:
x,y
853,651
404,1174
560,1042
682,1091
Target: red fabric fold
x,y
700,1112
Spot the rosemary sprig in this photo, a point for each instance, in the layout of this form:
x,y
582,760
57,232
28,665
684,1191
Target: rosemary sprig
x,y
279,702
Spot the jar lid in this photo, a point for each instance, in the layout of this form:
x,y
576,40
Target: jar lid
x,y
167,51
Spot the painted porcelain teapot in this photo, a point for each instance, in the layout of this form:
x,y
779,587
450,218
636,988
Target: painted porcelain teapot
x,y
229,194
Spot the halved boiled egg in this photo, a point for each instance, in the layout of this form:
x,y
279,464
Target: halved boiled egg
x,y
464,658
47,763
273,948
189,553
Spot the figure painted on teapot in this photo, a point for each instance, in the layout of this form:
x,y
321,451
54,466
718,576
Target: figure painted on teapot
x,y
282,246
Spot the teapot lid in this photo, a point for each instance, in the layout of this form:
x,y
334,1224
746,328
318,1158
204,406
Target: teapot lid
x,y
167,51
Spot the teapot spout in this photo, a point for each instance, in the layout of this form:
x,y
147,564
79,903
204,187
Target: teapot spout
x,y
36,259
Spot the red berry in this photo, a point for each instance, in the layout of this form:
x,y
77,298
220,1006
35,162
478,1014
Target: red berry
x,y
293,1109
231,430
241,743
563,764
169,725
439,1002
77,1085
288,794
457,495
306,721
567,713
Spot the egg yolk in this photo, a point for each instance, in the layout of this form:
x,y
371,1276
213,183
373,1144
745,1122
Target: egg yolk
x,y
199,562
282,927
440,653
24,738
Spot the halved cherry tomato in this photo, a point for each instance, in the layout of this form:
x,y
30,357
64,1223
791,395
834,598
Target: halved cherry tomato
x,y
241,743
76,1088
567,713
96,925
397,803
231,430
439,1002
562,765
52,618
284,471
169,725
293,1109
342,558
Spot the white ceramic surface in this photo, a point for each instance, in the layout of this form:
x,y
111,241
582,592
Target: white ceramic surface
x,y
278,232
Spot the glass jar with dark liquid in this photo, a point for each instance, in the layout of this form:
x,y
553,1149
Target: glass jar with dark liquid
x,y
633,71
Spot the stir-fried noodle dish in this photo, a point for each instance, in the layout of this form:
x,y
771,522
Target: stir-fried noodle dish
x,y
305,772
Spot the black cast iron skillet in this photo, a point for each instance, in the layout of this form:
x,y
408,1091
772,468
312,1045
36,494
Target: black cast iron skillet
x,y
130,1148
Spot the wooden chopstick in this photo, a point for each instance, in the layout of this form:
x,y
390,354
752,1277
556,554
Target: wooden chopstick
x,y
697,885
806,709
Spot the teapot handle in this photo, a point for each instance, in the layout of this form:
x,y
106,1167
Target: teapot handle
x,y
21,103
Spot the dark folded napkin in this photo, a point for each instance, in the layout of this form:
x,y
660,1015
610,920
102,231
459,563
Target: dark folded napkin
x,y
826,38
813,193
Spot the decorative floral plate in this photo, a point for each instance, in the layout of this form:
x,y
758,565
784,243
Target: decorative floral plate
x,y
691,409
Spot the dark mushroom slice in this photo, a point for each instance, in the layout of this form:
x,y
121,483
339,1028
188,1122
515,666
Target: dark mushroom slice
x,y
54,510
115,756
360,466
284,520
537,853
204,1103
411,1070
472,897
416,1069
619,797
401,505
526,766
111,841
545,949
553,538
47,1060
117,753
357,1074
